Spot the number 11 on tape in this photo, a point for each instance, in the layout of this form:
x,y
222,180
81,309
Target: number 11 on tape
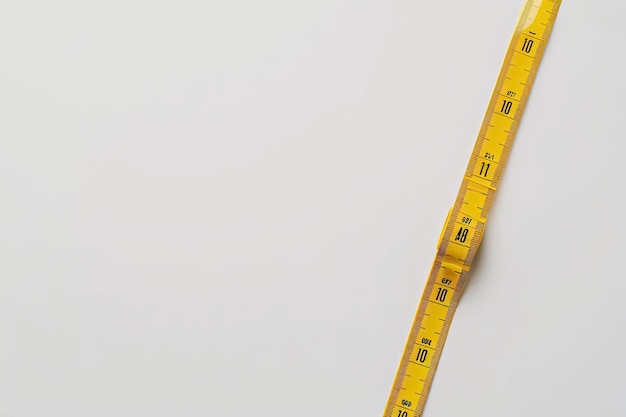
x,y
465,225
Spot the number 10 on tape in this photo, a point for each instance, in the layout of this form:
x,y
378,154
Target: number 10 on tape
x,y
465,225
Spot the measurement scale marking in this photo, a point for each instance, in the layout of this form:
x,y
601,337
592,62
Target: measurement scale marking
x,y
464,227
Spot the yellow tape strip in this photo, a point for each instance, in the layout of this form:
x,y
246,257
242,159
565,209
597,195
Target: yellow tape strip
x,y
465,225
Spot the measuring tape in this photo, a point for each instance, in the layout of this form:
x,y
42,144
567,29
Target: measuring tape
x,y
465,225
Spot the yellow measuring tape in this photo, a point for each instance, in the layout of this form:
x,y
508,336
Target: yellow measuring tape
x,y
465,225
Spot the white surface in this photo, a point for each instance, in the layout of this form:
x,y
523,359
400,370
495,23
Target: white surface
x,y
230,208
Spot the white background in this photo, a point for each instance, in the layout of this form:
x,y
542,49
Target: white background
x,y
229,208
